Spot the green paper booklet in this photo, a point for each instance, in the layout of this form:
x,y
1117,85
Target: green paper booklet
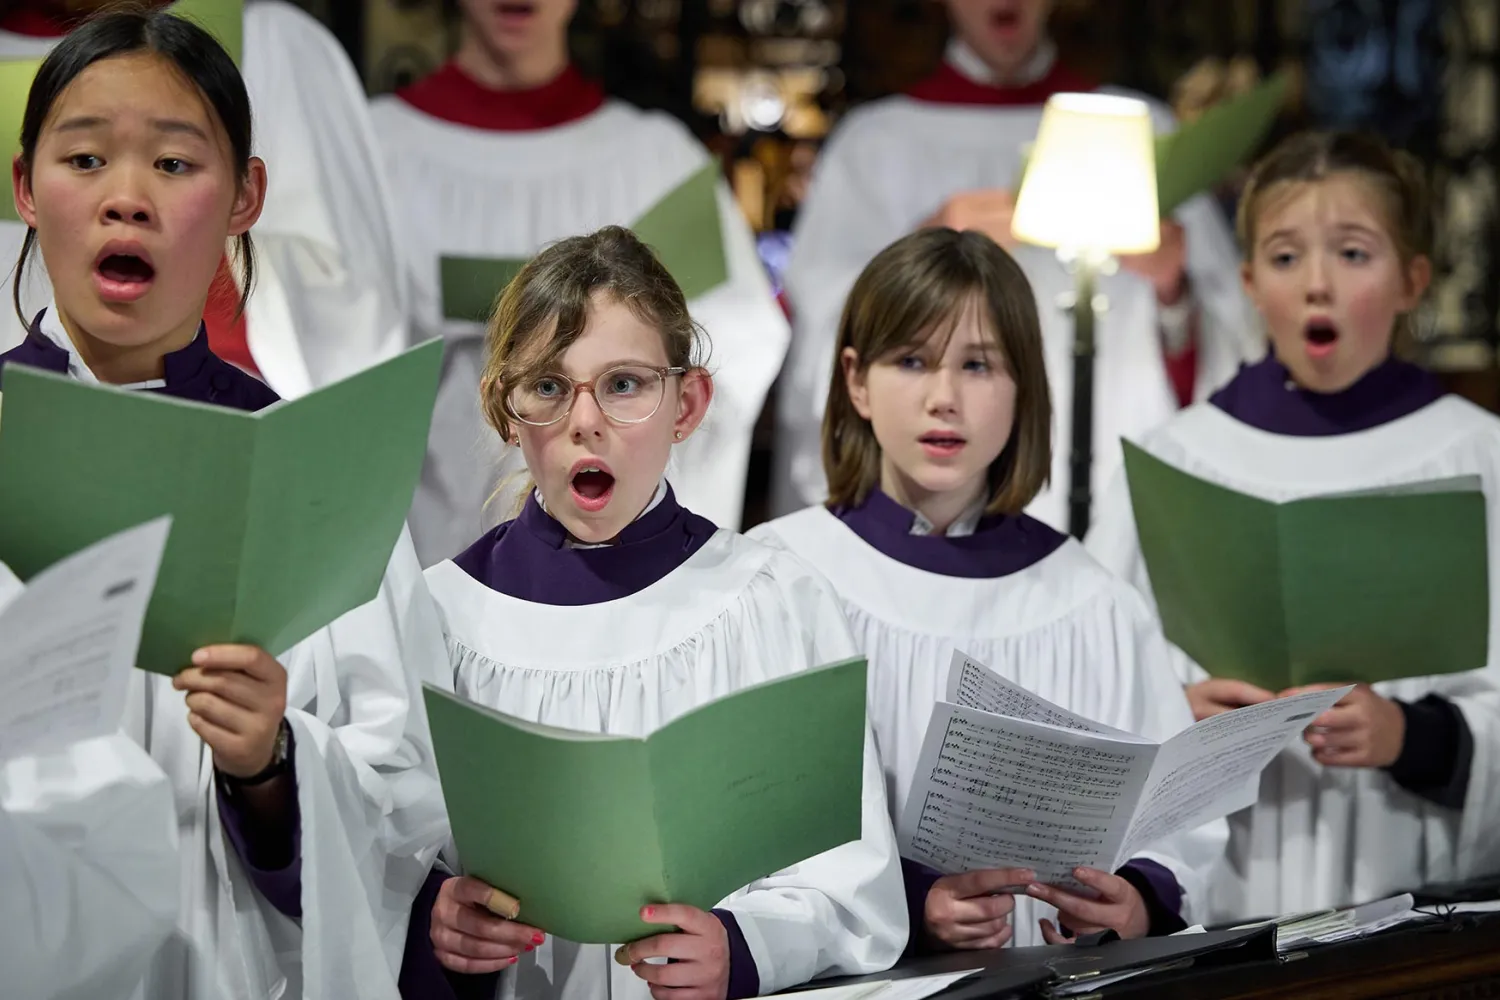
x,y
1366,586
683,228
1200,154
586,829
282,520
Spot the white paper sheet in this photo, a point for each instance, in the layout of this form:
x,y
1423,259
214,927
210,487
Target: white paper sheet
x,y
1050,795
68,642
898,989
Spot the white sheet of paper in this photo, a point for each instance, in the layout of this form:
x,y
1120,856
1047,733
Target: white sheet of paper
x,y
70,640
973,685
1053,791
993,792
897,989
1207,770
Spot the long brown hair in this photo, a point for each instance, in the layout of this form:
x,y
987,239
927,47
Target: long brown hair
x,y
916,289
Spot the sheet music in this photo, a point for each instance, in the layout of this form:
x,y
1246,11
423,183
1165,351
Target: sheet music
x,y
973,685
1202,773
996,792
68,642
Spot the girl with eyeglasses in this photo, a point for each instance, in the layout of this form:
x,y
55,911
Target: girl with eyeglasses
x,y
606,606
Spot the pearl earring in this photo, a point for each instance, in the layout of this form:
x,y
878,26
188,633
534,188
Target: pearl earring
x,y
679,435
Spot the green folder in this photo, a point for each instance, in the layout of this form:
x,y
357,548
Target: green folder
x,y
15,87
683,227
586,829
1198,155
1367,586
282,520
1201,153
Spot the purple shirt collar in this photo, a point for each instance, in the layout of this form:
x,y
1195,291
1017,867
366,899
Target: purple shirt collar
x,y
1264,396
194,373
1000,545
528,558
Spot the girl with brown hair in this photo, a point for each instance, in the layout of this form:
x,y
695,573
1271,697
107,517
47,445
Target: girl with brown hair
x,y
937,434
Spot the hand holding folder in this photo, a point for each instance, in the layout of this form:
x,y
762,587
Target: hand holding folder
x,y
282,520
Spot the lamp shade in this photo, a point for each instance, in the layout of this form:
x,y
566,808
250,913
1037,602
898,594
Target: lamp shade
x,y
1090,182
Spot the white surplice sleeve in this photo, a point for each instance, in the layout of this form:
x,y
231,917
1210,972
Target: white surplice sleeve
x,y
371,808
328,300
844,911
88,859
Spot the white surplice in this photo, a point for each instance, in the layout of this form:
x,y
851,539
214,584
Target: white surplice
x,y
472,192
890,165
1332,836
736,613
326,302
88,859
371,809
1063,629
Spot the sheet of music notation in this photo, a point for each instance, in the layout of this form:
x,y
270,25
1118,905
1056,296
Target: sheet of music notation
x,y
1212,768
1008,779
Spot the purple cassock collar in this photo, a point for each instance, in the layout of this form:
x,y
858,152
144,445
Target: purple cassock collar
x,y
1264,396
1001,544
529,558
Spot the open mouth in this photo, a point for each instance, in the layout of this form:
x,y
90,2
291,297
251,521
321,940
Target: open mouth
x,y
1321,336
510,9
942,444
592,485
126,268
1006,18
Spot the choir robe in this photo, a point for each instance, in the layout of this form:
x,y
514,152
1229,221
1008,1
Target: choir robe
x,y
622,639
890,165
1330,836
325,303
1032,606
500,175
326,915
88,856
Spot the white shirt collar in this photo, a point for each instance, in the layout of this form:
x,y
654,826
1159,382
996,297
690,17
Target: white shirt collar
x,y
962,525
968,64
52,328
573,543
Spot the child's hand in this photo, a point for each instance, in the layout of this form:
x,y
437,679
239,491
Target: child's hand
x,y
972,910
1165,267
468,938
1362,730
1221,694
700,950
1119,907
236,701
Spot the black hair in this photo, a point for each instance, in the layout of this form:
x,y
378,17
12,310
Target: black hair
x,y
193,51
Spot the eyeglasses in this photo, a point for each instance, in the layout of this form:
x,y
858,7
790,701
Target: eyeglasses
x,y
629,394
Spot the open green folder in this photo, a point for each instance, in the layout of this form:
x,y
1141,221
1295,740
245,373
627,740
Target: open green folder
x,y
683,228
1198,155
282,520
586,829
1366,586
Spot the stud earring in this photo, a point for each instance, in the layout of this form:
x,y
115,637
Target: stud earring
x,y
679,435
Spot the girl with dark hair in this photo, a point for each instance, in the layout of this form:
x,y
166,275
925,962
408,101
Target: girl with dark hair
x,y
324,303
936,437
306,803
